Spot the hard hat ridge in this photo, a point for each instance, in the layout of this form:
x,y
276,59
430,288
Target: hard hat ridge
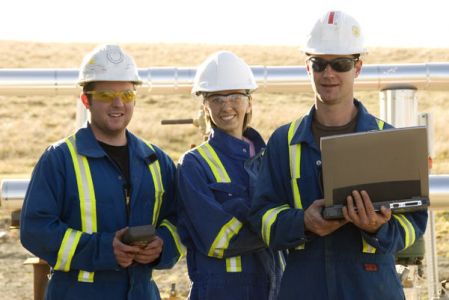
x,y
108,63
335,33
222,71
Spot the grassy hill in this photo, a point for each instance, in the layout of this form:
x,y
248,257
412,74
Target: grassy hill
x,y
29,124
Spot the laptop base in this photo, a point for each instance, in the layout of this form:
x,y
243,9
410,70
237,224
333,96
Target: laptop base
x,y
397,206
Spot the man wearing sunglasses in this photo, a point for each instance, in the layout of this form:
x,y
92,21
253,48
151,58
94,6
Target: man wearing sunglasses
x,y
351,258
88,189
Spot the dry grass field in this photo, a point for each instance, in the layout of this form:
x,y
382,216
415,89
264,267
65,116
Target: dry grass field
x,y
29,124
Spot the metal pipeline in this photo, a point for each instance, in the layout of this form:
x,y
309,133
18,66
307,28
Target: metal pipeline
x,y
13,192
282,79
173,80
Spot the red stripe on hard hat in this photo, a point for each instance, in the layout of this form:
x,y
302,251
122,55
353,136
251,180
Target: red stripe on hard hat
x,y
331,17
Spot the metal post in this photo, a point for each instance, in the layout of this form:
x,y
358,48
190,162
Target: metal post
x,y
399,108
433,281
82,114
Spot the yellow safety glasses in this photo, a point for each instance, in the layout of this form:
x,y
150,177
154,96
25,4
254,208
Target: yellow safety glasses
x,y
126,96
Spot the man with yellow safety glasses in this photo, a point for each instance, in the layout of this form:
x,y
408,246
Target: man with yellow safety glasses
x,y
87,189
351,258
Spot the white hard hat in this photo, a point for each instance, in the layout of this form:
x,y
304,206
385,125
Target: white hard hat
x,y
336,33
223,71
108,63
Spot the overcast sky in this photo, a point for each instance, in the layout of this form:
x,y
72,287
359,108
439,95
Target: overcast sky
x,y
278,22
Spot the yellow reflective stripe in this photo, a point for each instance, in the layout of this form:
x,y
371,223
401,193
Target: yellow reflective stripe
x,y
293,155
84,276
367,248
234,264
173,231
85,188
214,163
71,144
88,206
67,249
155,170
409,230
282,261
296,194
300,247
86,194
294,152
223,238
268,218
380,124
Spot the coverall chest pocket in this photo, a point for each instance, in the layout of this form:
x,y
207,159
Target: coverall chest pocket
x,y
224,192
232,197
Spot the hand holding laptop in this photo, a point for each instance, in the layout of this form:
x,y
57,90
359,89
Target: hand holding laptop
x,y
360,211
314,221
391,165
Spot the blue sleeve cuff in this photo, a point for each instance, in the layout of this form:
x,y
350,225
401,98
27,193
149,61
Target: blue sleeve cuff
x,y
376,239
107,259
169,255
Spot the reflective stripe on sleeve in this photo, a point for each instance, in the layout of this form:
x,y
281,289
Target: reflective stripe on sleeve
x,y
67,249
223,238
409,230
367,248
234,264
268,218
84,276
174,233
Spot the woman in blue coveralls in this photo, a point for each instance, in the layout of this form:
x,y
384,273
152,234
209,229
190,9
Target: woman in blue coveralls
x,y
226,259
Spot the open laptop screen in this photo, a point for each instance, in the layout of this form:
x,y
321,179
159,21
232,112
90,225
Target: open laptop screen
x,y
391,165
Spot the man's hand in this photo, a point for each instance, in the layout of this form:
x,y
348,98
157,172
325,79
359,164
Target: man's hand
x,y
124,254
314,222
150,252
360,212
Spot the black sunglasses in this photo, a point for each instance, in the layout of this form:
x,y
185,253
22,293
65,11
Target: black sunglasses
x,y
341,64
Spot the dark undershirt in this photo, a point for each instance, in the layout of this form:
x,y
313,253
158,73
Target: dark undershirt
x,y
319,130
119,154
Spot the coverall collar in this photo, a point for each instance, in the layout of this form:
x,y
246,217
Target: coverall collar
x,y
234,146
87,144
304,132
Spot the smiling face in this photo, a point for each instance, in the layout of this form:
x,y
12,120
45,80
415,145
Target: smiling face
x,y
110,119
227,110
332,87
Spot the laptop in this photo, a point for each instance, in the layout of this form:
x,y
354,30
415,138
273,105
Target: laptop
x,y
391,165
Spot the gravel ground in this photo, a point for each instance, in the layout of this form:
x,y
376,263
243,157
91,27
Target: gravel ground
x,y
16,279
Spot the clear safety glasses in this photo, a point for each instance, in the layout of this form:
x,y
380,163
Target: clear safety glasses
x,y
219,99
341,64
126,96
